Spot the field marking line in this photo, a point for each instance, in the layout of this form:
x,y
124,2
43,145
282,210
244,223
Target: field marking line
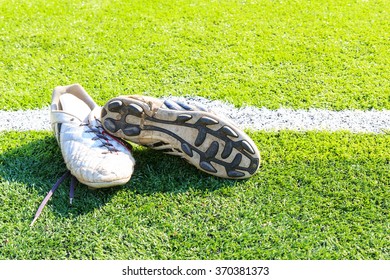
x,y
247,117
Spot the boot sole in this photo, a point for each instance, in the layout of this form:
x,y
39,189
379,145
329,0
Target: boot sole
x,y
210,143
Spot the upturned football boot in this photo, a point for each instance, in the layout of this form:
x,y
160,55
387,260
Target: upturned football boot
x,y
210,142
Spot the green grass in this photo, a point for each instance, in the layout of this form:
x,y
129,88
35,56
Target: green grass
x,y
318,195
298,54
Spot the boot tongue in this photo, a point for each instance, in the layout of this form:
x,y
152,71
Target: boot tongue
x,y
75,106
94,116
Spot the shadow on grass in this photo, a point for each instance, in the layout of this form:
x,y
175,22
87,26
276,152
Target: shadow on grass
x,y
36,162
156,172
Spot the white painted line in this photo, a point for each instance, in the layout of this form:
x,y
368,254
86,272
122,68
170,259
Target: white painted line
x,y
38,119
355,121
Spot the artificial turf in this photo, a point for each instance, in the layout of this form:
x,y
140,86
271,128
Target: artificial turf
x,y
297,54
317,195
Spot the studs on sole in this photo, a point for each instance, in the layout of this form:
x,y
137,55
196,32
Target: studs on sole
x,y
104,112
214,143
202,133
207,166
235,173
135,110
207,121
183,118
227,150
115,106
236,161
212,150
229,131
247,147
132,130
110,125
187,149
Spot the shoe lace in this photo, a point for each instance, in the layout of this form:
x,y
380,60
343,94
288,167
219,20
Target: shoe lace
x,y
180,105
105,139
101,135
73,183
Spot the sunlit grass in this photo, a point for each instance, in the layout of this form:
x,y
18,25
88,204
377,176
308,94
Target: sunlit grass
x,y
316,196
296,54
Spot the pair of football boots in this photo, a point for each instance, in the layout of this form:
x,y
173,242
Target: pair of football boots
x,y
94,140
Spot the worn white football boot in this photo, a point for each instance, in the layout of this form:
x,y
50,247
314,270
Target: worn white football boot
x,y
94,157
208,141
